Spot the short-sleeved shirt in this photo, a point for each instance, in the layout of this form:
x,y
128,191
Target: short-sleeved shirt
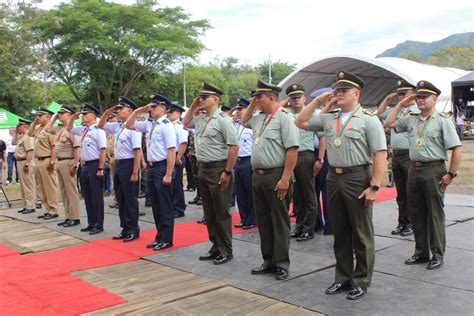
x,y
306,139
181,133
399,141
245,137
44,142
438,136
270,146
125,140
24,144
93,139
160,136
213,136
65,142
363,136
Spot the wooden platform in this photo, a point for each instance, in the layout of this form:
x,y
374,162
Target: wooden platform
x,y
154,289
27,237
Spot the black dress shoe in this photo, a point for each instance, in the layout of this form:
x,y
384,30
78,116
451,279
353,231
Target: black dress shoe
x,y
293,214
263,269
202,220
407,230
141,213
114,205
281,273
41,216
208,256
86,229
28,211
120,237
50,216
434,264
337,288
305,237
39,206
63,223
131,237
221,259
295,234
356,292
416,260
153,244
398,230
178,215
95,231
249,226
163,245
147,203
22,210
195,200
238,225
72,222
199,202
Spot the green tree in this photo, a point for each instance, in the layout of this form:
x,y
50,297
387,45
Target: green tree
x,y
454,56
106,49
412,57
279,70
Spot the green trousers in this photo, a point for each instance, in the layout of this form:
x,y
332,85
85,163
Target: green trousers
x,y
304,196
352,227
272,218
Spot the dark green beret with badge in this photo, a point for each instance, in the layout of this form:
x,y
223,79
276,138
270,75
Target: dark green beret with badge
x,y
263,87
295,91
425,89
207,89
346,80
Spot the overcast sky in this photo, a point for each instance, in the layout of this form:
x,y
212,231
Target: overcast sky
x,y
302,31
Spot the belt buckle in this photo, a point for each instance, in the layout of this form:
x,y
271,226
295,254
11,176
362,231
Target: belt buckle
x,y
418,163
260,171
339,171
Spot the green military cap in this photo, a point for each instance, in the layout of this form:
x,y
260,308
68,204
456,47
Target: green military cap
x,y
225,108
252,93
403,86
44,110
346,80
207,89
66,109
22,121
295,91
425,88
263,87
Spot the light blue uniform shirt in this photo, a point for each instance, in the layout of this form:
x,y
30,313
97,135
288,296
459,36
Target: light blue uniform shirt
x,y
181,134
93,139
160,136
125,140
245,137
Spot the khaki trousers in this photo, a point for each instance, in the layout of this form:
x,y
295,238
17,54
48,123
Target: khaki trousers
x,y
27,185
69,191
48,184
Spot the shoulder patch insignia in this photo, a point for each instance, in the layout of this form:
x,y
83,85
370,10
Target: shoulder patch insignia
x,y
368,112
445,115
223,114
335,111
286,110
165,121
414,113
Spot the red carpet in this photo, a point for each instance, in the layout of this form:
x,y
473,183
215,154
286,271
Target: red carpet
x,y
41,284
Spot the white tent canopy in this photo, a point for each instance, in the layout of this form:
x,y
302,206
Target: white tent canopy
x,y
380,74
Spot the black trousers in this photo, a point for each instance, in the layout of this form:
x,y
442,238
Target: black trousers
x,y
92,187
400,165
179,205
127,196
161,201
243,190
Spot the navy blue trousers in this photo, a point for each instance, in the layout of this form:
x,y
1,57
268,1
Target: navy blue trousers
x,y
92,186
320,184
161,201
178,192
243,190
127,196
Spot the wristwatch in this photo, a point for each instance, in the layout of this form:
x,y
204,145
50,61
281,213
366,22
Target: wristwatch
x,y
229,173
320,159
452,174
374,187
101,169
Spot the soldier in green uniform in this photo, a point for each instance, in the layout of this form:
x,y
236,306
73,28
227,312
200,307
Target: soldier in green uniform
x,y
357,153
401,158
304,197
430,135
274,154
216,150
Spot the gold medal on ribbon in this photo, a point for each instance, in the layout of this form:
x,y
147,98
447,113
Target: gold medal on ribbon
x,y
337,142
419,141
257,139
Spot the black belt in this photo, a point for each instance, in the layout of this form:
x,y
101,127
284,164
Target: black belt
x,y
91,161
401,151
21,159
43,158
304,152
266,171
213,164
346,170
243,158
66,158
427,163
152,164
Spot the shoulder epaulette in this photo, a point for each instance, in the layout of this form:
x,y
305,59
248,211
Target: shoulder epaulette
x,y
368,112
223,114
165,121
286,110
445,115
335,111
414,113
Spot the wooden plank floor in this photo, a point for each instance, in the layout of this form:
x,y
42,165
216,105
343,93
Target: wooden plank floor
x,y
27,237
154,289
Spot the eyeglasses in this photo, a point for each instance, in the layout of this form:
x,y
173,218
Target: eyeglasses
x,y
401,94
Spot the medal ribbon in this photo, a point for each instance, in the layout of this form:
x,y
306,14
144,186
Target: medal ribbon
x,y
264,126
239,134
117,135
338,124
427,123
84,133
203,127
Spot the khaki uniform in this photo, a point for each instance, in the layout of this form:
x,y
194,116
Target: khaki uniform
x,y
212,149
47,182
65,145
349,176
39,192
24,144
304,196
426,170
268,161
